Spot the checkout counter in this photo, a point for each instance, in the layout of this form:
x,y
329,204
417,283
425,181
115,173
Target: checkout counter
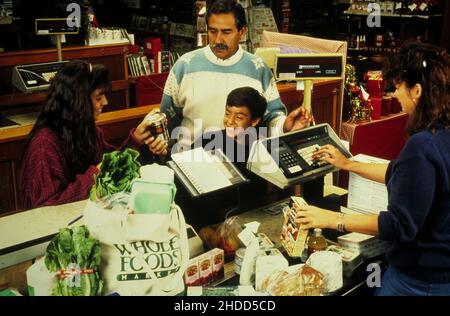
x,y
26,235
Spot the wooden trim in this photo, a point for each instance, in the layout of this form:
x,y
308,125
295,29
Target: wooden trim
x,y
127,114
27,98
19,133
119,85
12,59
335,104
14,133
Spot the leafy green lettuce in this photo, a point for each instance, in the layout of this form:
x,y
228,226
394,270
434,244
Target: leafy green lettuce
x,y
116,173
74,249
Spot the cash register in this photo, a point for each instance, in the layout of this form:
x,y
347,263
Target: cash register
x,y
37,77
288,159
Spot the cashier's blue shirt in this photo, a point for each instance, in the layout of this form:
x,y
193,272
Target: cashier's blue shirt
x,y
417,223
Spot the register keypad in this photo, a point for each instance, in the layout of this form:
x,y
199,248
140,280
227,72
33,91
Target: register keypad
x,y
291,162
307,153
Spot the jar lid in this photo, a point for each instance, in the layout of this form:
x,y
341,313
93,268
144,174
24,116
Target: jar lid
x,y
156,117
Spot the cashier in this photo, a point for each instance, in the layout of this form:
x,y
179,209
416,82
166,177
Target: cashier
x,y
65,147
417,223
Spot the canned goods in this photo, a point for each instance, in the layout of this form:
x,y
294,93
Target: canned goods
x,y
239,258
158,126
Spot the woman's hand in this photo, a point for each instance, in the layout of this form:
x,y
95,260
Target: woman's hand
x,y
333,156
142,132
315,217
157,146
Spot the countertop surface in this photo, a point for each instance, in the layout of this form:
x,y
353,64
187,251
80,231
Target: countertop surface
x,y
34,224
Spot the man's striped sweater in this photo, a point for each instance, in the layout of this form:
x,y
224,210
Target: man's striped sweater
x,y
199,83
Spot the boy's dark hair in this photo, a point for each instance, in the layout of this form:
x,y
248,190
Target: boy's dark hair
x,y
249,97
227,6
429,66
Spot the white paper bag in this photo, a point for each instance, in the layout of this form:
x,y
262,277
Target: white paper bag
x,y
142,254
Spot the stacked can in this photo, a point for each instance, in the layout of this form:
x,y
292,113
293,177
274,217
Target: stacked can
x,y
238,259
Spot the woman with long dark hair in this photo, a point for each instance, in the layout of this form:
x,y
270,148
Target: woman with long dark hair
x,y
65,147
417,223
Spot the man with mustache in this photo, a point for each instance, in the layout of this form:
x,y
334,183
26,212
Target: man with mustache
x,y
199,82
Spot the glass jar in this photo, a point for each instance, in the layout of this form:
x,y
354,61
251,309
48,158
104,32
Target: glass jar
x,y
316,242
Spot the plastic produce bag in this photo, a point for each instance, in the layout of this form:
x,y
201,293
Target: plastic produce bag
x,y
224,236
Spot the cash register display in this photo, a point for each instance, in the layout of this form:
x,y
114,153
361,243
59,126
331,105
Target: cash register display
x,y
296,154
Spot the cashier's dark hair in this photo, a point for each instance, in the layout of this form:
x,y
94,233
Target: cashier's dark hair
x,y
429,66
69,112
227,6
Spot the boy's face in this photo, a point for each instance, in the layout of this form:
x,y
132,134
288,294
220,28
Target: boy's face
x,y
237,119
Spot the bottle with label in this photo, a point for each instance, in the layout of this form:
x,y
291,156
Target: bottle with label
x,y
316,242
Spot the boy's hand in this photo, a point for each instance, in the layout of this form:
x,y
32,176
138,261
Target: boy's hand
x,y
297,119
157,146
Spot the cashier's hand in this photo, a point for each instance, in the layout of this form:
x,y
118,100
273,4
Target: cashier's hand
x,y
333,156
297,119
315,217
157,146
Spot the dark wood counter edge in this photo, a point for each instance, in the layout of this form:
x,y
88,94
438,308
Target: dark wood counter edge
x,y
21,98
26,244
49,55
19,133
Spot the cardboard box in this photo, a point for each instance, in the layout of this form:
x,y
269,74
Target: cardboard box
x,y
293,237
218,262
205,268
192,274
369,246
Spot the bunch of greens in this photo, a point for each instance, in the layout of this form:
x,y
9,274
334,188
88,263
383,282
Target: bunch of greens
x,y
116,173
76,258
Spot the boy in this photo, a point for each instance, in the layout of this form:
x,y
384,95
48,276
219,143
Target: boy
x,y
244,110
245,107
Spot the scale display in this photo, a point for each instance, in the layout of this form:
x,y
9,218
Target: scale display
x,y
308,66
54,26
